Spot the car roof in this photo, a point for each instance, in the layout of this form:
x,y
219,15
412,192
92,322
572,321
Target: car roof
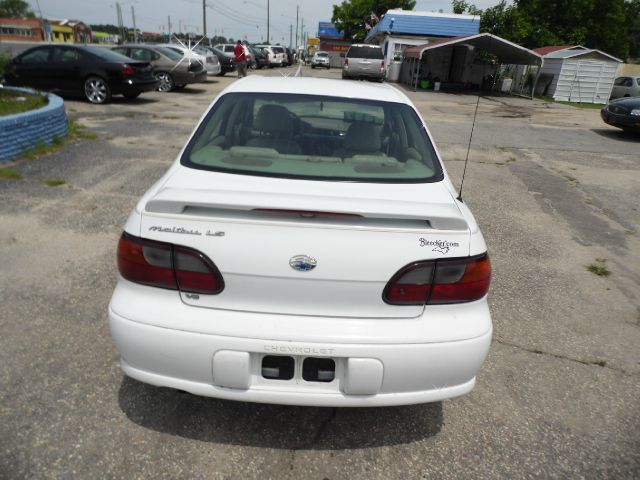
x,y
318,86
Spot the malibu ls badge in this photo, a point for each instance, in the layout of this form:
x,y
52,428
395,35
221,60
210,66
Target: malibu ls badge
x,y
303,263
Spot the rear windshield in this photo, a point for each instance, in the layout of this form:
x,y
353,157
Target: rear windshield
x,y
108,55
313,137
365,52
167,52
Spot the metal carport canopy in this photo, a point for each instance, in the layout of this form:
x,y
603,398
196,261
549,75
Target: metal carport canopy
x,y
508,53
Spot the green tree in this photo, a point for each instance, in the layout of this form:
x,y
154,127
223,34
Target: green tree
x,y
15,9
459,6
350,16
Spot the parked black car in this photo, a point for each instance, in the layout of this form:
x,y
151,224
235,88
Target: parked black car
x,y
227,62
260,60
623,113
93,72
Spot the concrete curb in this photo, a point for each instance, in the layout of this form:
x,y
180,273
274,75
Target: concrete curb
x,y
26,130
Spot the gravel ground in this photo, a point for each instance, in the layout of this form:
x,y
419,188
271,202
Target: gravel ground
x,y
554,190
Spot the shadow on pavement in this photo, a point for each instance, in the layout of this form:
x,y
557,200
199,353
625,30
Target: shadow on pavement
x,y
619,135
275,426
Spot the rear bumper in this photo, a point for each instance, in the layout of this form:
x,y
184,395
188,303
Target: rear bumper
x,y
354,73
182,78
134,85
229,367
213,69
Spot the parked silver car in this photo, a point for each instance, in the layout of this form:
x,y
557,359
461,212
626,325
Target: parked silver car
x,y
364,61
625,87
320,59
198,54
169,68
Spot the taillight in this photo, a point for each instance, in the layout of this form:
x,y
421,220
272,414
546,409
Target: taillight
x,y
128,71
382,65
164,265
346,61
437,282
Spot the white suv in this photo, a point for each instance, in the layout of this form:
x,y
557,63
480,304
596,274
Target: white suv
x,y
305,248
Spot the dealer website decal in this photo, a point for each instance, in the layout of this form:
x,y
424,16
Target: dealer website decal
x,y
442,246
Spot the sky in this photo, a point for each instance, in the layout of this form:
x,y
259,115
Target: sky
x,y
246,19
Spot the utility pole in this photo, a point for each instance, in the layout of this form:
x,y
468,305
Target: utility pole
x,y
169,25
120,22
302,34
297,11
204,18
135,30
268,38
179,27
290,35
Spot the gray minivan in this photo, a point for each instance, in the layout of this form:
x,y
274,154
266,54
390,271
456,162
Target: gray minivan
x,y
364,61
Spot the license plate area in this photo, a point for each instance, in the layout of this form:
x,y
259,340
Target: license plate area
x,y
299,372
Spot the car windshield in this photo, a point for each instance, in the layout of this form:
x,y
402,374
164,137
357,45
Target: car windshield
x,y
365,52
167,52
314,137
322,54
108,55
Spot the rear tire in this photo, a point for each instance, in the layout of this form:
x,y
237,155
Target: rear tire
x,y
97,90
166,81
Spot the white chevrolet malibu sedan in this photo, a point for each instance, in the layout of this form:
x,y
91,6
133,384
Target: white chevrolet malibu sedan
x,y
305,248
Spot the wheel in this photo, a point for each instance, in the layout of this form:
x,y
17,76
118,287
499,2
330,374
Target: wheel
x,y
131,95
313,67
166,81
97,90
253,66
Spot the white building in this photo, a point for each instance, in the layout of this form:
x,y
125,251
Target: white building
x,y
576,74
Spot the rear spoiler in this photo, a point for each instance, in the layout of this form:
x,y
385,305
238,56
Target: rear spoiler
x,y
211,202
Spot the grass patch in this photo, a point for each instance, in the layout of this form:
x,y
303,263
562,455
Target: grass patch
x,y
12,102
77,130
594,106
569,178
502,149
512,159
130,114
41,149
9,174
53,182
599,268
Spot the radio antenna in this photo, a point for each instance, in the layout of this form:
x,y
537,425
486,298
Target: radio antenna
x,y
473,126
466,160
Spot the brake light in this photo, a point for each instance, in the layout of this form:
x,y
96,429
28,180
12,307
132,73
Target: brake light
x,y
346,61
437,282
382,65
128,71
164,265
306,213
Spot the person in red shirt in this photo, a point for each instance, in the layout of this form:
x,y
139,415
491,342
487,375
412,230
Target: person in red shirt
x,y
241,58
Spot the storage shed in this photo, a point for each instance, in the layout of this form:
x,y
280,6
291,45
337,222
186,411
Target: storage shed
x,y
471,61
576,74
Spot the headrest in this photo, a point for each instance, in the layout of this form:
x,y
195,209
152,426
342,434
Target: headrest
x,y
274,119
363,137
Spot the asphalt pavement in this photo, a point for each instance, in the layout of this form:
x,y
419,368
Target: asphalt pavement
x,y
554,190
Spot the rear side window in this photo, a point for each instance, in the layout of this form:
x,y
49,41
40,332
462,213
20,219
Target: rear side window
x,y
38,55
315,138
374,53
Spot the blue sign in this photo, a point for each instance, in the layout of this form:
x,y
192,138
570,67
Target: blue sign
x,y
329,30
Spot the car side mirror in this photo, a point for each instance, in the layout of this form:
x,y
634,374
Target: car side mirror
x,y
342,55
